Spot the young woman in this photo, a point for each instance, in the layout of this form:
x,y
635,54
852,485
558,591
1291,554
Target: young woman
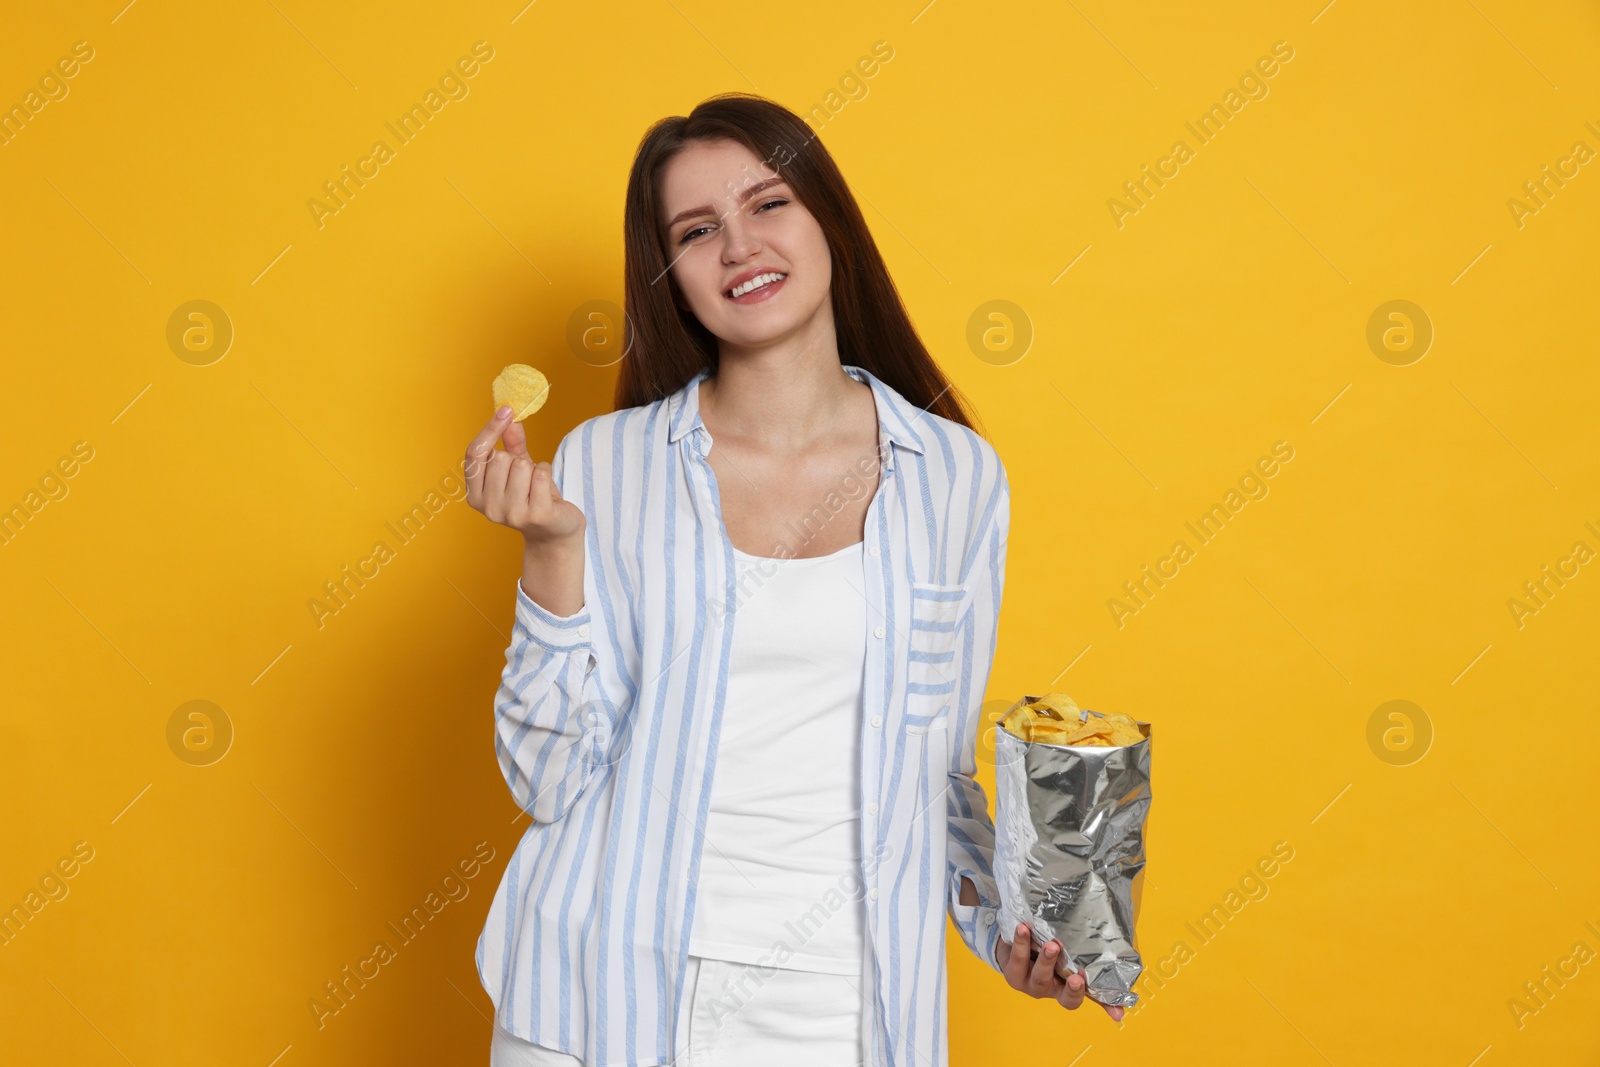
x,y
755,621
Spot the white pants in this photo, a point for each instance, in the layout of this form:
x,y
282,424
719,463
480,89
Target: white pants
x,y
793,1019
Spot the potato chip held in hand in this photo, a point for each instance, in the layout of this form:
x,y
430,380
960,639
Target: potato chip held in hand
x,y
523,387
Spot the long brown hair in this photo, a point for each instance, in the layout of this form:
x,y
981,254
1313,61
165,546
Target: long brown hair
x,y
666,343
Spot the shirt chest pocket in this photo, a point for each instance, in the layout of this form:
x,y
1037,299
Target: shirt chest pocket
x,y
931,664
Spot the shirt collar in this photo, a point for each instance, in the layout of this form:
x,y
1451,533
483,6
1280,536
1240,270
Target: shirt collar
x,y
897,416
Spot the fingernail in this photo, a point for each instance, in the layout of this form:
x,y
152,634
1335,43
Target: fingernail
x,y
1050,950
503,412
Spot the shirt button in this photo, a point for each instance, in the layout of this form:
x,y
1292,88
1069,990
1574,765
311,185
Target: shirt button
x,y
583,631
872,809
877,720
873,551
878,632
873,894
988,918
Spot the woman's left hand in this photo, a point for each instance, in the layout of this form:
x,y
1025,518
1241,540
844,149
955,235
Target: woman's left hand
x,y
1037,977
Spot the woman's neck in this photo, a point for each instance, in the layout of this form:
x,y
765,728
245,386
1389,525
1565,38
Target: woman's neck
x,y
778,401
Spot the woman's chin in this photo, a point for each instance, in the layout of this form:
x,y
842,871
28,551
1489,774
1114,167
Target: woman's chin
x,y
749,340
762,325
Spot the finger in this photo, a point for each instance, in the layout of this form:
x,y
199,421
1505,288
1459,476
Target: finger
x,y
480,447
1044,968
1072,991
542,493
517,483
494,484
1017,966
516,439
1115,1011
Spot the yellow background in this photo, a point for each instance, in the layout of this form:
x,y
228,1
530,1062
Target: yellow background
x,y
1229,313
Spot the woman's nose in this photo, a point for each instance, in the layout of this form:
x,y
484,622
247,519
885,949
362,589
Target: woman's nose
x,y
739,240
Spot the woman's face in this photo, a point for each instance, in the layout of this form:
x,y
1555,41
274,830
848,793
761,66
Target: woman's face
x,y
729,217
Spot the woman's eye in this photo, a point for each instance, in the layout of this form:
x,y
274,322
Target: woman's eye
x,y
698,230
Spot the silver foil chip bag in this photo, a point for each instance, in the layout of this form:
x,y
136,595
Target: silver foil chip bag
x,y
1069,852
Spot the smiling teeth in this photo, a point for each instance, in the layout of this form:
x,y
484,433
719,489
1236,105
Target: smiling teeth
x,y
755,283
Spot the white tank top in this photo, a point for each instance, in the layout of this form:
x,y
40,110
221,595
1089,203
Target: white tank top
x,y
782,855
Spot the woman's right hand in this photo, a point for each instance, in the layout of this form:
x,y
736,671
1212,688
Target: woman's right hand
x,y
1033,972
511,489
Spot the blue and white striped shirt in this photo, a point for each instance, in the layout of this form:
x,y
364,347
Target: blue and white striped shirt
x,y
606,726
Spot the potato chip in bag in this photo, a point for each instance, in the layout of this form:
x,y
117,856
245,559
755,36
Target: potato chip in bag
x,y
1072,791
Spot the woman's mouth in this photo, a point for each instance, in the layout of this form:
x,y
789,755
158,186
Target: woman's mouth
x,y
757,289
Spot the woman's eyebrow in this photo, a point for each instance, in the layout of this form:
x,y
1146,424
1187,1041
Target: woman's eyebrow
x,y
707,209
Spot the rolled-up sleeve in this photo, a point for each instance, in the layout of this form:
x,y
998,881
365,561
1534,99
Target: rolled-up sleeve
x,y
971,830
